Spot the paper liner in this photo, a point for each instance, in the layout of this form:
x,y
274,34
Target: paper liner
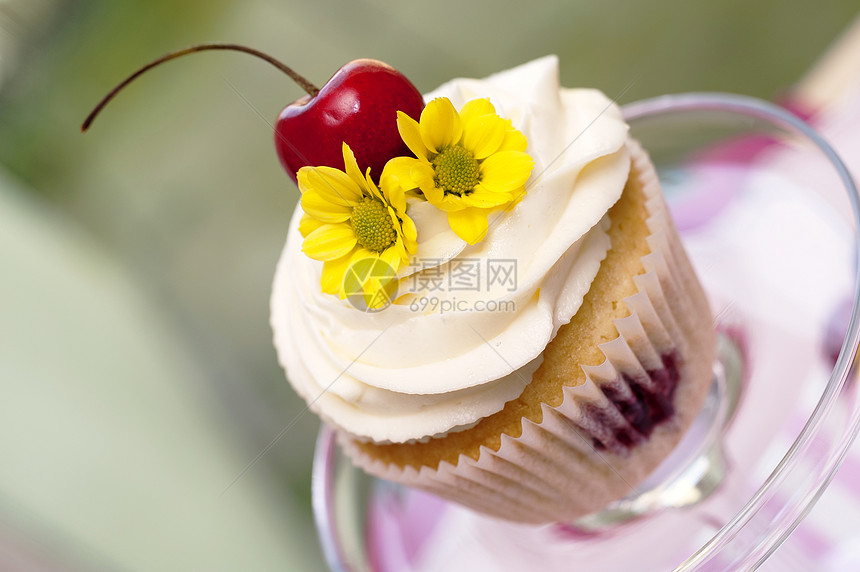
x,y
593,449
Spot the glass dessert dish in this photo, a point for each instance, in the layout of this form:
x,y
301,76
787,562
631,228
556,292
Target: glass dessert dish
x,y
769,216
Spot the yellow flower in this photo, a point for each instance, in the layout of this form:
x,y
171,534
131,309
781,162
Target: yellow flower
x,y
467,164
347,220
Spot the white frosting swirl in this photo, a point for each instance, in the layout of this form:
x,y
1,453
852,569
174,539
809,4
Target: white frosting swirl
x,y
404,373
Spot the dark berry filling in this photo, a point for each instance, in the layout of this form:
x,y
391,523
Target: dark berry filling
x,y
635,407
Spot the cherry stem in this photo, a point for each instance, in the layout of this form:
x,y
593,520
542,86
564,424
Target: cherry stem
x,y
305,84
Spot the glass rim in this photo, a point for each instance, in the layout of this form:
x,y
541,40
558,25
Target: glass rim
x,y
799,504
322,486
750,552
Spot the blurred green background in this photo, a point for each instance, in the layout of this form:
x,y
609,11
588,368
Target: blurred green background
x,y
138,385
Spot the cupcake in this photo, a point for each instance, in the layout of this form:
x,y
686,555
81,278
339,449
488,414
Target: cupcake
x,y
506,318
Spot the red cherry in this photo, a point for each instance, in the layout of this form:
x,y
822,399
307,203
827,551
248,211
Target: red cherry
x,y
359,106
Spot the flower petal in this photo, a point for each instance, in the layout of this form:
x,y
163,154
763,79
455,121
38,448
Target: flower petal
x,y
371,187
474,109
410,233
395,198
422,173
400,168
433,194
333,185
308,224
323,210
424,176
506,171
351,168
411,135
407,239
485,199
484,135
514,139
332,274
378,292
470,224
329,242
396,180
440,124
357,272
393,257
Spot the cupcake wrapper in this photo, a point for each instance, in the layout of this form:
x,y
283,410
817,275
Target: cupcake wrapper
x,y
610,432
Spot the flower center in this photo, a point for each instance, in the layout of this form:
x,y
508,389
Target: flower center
x,y
457,171
373,227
